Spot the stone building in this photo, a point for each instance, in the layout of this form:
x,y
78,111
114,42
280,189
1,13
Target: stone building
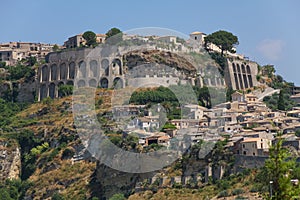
x,y
63,68
240,74
12,52
78,40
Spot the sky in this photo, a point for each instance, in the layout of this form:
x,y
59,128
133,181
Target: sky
x,y
268,30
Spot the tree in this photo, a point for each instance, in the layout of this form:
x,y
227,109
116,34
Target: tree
x,y
90,38
223,39
229,92
55,48
114,36
32,61
279,168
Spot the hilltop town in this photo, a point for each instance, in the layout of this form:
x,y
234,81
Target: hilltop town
x,y
144,102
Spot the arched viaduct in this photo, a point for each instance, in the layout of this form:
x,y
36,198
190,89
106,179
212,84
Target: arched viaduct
x,y
66,67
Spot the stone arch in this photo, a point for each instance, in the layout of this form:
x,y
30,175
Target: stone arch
x,y
45,74
53,72
248,69
240,81
233,67
245,81
81,83
238,68
104,83
52,88
250,81
70,82
94,69
59,92
92,83
105,66
63,72
236,81
72,71
243,69
43,91
117,66
118,83
82,69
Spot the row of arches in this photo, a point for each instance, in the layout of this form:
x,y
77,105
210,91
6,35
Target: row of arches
x,y
242,76
241,69
82,69
52,89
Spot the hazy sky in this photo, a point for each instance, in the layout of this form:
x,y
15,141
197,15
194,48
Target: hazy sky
x,y
268,30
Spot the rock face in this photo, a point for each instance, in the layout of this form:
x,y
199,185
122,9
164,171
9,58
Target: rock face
x,y
25,91
110,181
10,160
161,57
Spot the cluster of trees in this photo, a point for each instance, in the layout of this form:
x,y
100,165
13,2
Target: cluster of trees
x,y
19,71
280,101
8,109
167,97
113,36
164,94
13,189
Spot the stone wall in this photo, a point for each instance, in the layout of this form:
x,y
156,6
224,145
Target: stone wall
x,y
241,74
79,68
248,162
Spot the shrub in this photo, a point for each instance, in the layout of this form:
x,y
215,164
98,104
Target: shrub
x,y
223,193
118,196
65,90
57,196
67,153
237,191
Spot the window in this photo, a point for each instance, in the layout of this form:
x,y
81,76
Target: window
x,y
195,37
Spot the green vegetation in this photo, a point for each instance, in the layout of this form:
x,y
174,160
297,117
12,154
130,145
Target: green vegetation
x,y
279,101
268,70
170,101
90,38
220,60
20,71
55,48
65,90
223,39
13,189
275,178
114,36
117,197
8,109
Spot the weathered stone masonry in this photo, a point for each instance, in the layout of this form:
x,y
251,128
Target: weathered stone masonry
x,y
63,68
241,74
